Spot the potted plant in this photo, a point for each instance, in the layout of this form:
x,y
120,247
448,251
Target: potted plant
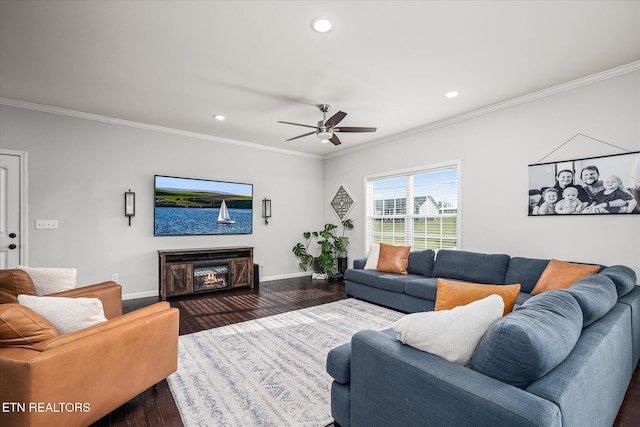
x,y
340,244
332,247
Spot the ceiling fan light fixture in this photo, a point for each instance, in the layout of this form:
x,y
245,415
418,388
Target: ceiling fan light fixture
x,y
325,136
322,24
324,131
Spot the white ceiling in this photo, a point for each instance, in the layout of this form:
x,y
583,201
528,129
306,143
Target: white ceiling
x,y
174,64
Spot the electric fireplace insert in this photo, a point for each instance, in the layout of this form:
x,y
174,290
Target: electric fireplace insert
x,y
211,276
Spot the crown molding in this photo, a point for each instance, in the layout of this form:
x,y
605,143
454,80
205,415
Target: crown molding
x,y
554,90
584,81
112,120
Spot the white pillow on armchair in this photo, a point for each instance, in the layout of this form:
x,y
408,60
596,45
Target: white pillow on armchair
x,y
51,280
66,314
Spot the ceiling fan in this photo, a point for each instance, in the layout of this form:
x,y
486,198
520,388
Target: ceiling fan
x,y
325,130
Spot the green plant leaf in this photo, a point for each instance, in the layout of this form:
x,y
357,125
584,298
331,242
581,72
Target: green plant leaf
x,y
331,245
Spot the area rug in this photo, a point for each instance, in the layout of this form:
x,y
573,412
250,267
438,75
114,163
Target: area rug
x,y
269,371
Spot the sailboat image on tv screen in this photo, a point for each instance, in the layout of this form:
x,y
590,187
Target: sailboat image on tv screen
x,y
223,216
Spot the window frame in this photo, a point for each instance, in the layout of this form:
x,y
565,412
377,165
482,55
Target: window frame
x,y
408,233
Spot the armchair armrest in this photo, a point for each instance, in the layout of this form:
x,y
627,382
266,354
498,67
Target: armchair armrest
x,y
393,384
110,293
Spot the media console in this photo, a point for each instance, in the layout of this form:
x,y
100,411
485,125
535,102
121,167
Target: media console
x,y
190,271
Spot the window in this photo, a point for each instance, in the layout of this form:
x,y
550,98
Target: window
x,y
419,208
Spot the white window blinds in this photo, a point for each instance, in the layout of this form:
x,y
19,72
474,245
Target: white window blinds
x,y
419,208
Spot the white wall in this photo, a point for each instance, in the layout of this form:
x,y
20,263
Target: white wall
x,y
495,150
78,171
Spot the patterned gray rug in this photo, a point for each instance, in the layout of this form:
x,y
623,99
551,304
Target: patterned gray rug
x,y
269,371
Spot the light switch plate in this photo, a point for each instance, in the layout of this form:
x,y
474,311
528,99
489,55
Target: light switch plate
x,y
46,224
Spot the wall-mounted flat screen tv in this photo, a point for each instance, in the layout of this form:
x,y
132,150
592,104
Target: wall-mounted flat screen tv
x,y
188,206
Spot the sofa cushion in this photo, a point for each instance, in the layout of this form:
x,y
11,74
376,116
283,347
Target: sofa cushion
x,y
393,258
561,275
66,314
452,294
596,295
525,271
22,327
378,279
526,344
623,277
421,262
471,266
451,334
524,296
14,282
425,288
51,280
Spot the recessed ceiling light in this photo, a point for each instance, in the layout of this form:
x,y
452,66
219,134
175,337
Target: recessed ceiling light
x,y
322,24
452,94
219,117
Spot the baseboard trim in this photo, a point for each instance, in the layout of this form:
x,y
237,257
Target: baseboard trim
x,y
137,295
284,276
154,293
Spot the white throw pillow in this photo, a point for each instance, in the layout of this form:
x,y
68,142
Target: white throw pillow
x,y
51,280
372,258
66,314
451,334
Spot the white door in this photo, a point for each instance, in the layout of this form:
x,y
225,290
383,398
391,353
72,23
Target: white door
x,y
12,206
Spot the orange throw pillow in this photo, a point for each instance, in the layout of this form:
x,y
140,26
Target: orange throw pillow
x,y
561,275
452,294
22,327
393,259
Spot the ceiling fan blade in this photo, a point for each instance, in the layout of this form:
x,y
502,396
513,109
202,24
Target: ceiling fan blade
x,y
298,124
300,136
354,129
335,119
335,140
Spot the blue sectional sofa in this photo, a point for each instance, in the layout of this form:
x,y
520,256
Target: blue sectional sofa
x,y
561,358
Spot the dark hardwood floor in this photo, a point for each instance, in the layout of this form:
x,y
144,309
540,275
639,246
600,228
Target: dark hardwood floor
x,y
156,407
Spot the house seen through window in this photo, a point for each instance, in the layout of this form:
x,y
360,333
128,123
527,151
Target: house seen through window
x,y
417,208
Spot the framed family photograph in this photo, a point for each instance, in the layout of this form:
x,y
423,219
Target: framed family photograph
x,y
590,186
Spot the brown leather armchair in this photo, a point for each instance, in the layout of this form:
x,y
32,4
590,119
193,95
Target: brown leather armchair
x,y
77,378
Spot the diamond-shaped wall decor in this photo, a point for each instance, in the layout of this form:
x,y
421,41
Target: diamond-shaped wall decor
x,y
342,203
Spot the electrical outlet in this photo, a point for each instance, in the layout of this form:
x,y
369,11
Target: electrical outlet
x,y
114,277
261,265
46,224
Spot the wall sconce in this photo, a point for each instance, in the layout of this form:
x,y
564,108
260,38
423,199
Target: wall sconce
x,y
266,210
129,205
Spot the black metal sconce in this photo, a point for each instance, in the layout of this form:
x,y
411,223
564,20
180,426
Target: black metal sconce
x,y
129,205
266,210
